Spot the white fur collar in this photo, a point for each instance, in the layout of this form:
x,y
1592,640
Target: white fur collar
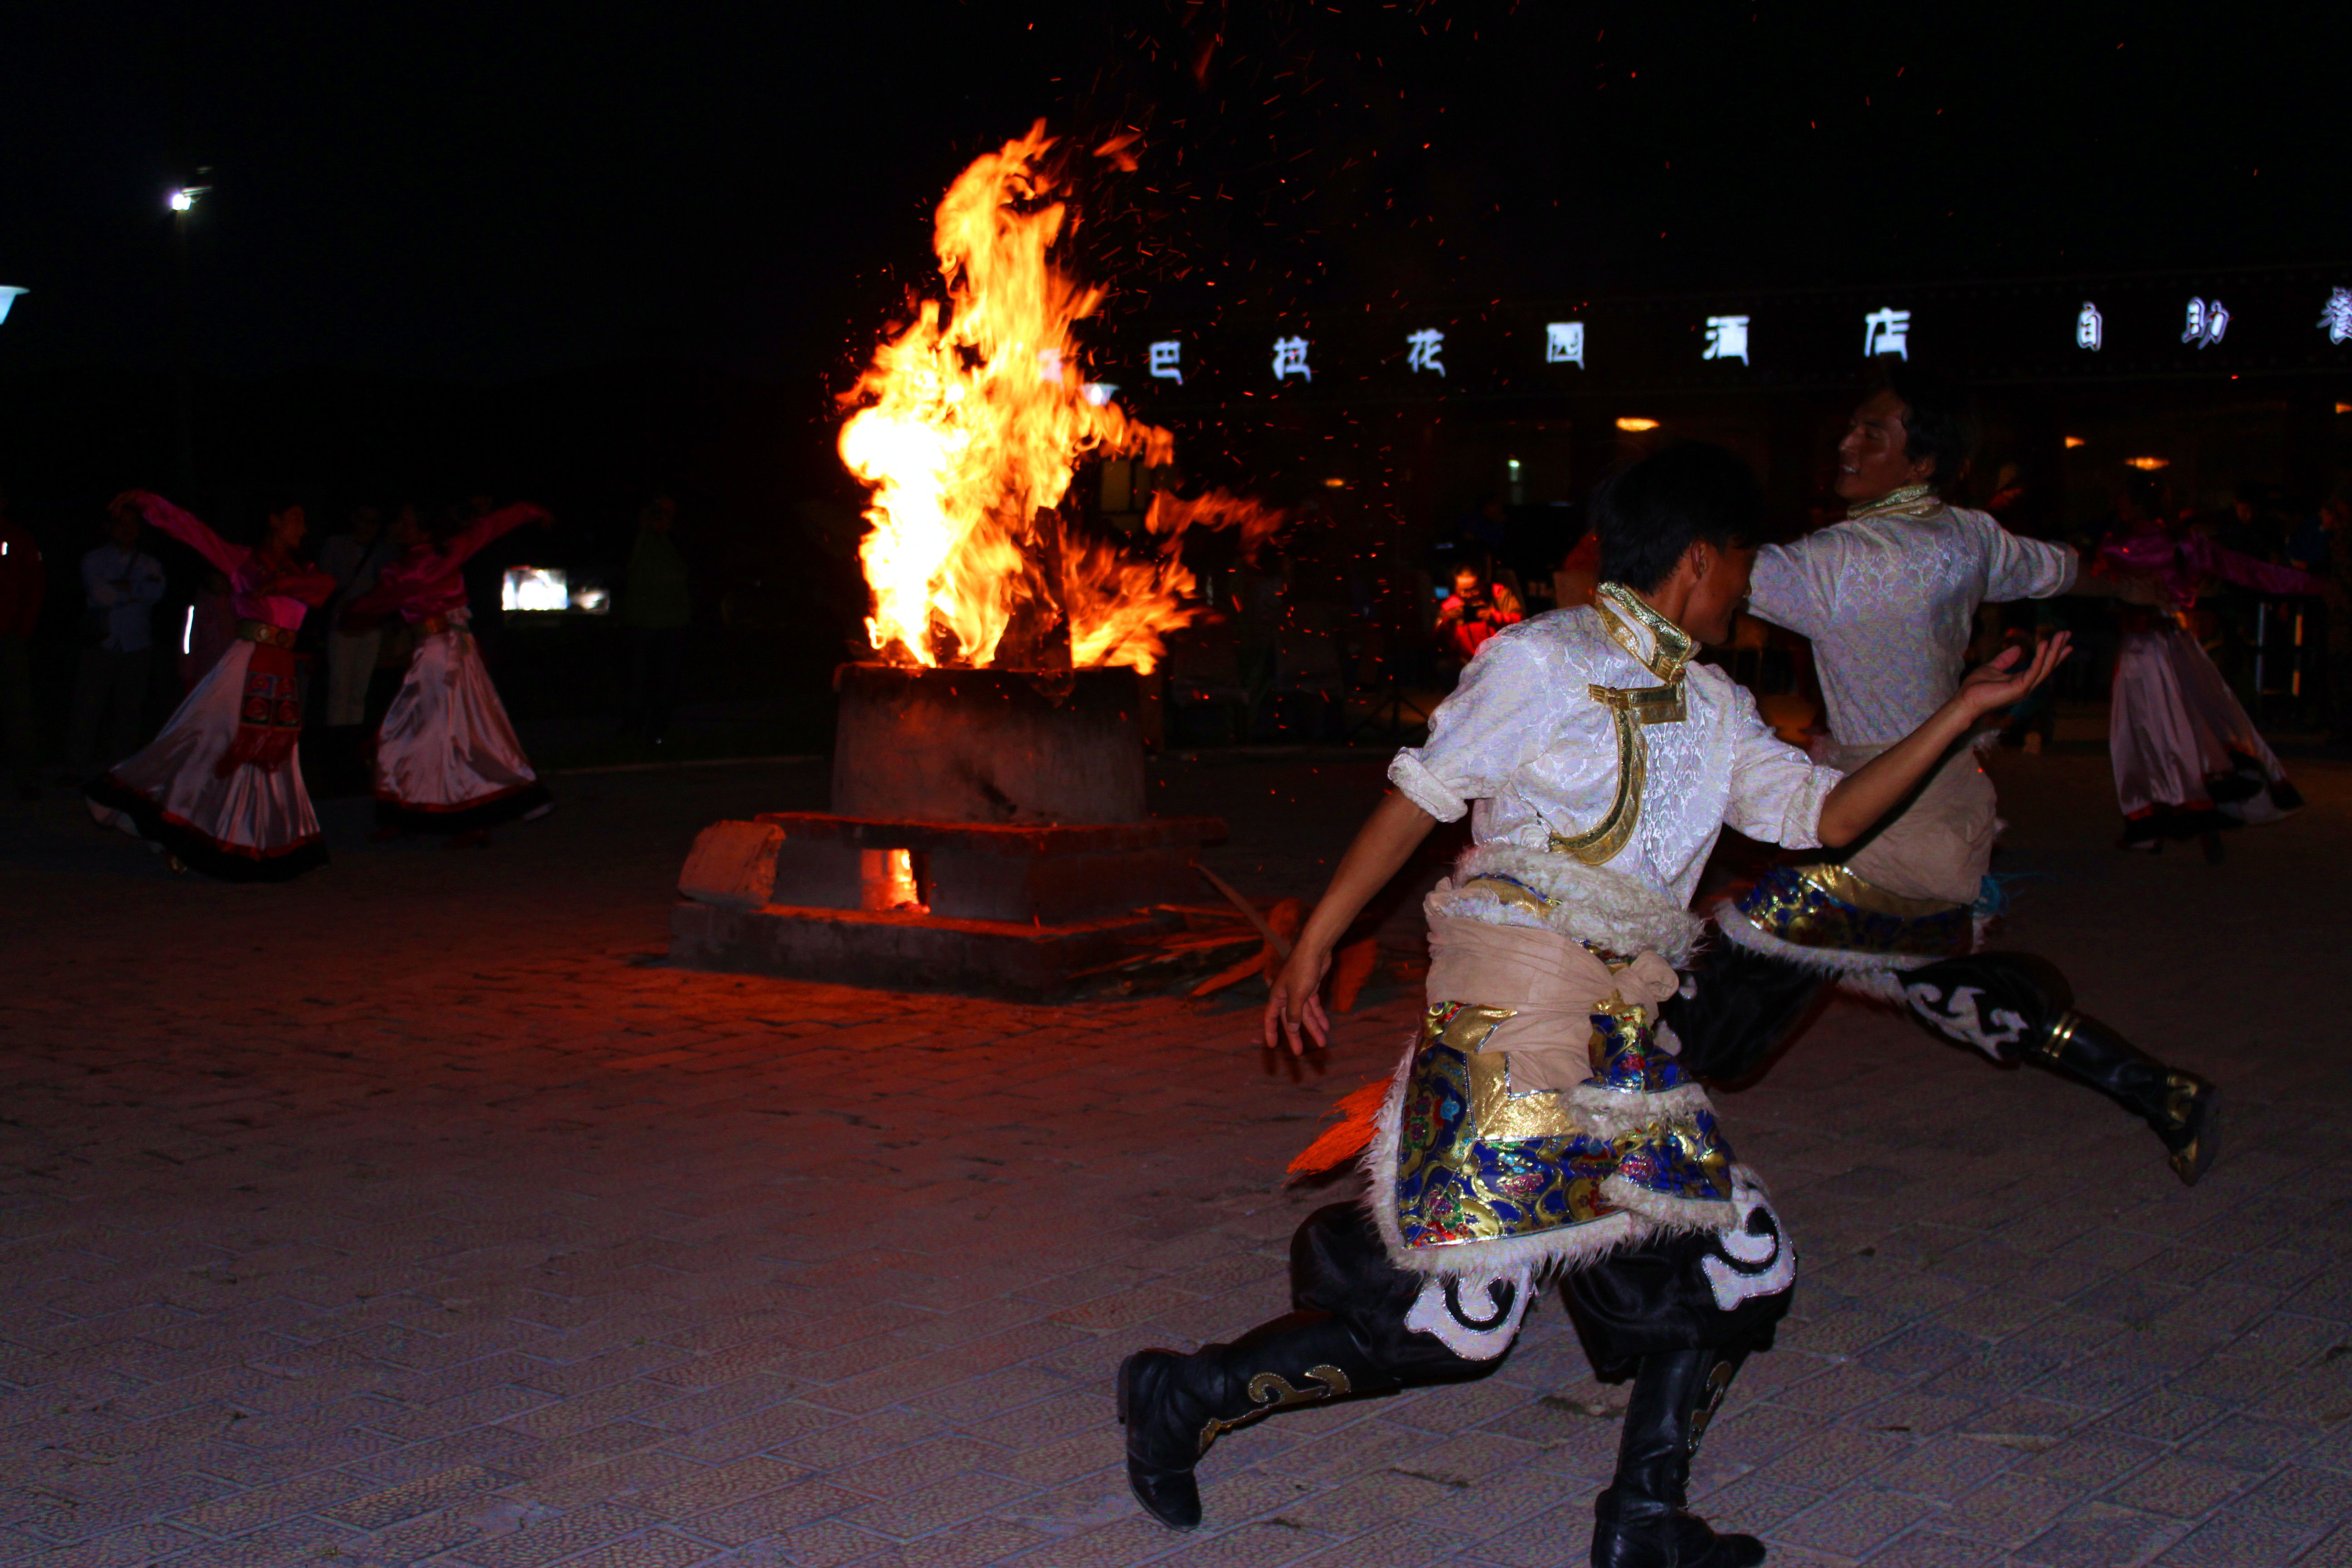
x,y
1588,903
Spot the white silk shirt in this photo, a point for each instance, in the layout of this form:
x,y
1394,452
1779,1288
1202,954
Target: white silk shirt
x,y
1524,746
1888,597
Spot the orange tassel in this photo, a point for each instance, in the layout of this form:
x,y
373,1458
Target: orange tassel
x,y
1347,1138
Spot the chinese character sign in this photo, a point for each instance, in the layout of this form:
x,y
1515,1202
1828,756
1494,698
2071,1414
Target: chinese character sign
x,y
2090,328
1564,343
1166,361
1422,349
2207,321
1726,338
1290,358
2335,320
1887,332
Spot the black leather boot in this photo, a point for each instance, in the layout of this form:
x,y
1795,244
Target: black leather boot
x,y
1174,1405
2183,1109
1640,1522
1992,1001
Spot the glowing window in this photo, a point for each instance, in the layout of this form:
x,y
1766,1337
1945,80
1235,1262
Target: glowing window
x,y
534,588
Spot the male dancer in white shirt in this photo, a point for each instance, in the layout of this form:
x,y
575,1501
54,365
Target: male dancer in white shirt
x,y
1540,1125
1888,597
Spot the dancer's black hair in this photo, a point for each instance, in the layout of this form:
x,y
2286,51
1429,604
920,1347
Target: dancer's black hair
x,y
1940,418
1648,513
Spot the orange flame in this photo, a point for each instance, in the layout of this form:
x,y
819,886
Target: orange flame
x,y
968,430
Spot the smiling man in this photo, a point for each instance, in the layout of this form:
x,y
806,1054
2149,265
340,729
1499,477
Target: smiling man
x,y
1888,597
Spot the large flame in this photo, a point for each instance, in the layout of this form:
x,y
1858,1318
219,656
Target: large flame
x,y
967,430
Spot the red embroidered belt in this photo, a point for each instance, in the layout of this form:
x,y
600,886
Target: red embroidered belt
x,y
263,632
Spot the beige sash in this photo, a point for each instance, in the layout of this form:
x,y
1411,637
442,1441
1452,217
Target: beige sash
x,y
1550,986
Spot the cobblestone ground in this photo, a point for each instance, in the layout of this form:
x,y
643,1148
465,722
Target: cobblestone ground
x,y
419,1213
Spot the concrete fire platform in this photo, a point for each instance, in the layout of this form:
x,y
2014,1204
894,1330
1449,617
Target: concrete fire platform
x,y
1010,909
989,836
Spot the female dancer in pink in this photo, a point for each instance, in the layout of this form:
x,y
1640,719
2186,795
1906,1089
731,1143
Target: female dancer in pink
x,y
221,788
2188,759
446,760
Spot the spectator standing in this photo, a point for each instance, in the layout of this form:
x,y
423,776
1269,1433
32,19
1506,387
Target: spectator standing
x,y
22,585
656,606
120,587
353,559
1475,611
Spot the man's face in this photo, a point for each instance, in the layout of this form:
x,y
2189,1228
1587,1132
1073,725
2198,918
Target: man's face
x,y
122,532
1722,589
1465,583
1870,459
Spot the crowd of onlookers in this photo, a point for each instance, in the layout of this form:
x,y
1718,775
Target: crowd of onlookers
x,y
132,662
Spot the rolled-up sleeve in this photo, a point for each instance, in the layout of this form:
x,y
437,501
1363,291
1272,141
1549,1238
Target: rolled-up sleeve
x,y
1777,792
1499,717
2024,568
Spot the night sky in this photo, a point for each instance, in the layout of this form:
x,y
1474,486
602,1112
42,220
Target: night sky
x,y
498,191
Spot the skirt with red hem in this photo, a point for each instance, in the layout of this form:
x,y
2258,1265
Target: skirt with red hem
x,y
252,823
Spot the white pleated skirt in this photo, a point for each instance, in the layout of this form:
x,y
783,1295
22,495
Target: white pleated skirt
x,y
446,760
2174,730
254,825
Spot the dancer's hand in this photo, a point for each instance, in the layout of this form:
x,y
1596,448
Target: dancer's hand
x,y
2008,677
1297,1000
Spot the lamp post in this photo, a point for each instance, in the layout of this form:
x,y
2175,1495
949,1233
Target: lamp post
x,y
183,203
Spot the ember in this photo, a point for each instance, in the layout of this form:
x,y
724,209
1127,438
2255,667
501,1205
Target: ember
x,y
969,428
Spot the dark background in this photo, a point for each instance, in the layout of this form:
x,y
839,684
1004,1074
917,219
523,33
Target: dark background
x,y
586,254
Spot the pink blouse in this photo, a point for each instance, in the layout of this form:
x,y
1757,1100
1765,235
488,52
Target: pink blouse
x,y
277,593
427,581
2180,564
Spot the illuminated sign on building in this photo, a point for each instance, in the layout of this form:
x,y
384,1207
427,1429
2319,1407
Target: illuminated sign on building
x,y
1564,342
1887,332
1166,361
1726,338
2335,319
1422,349
2207,321
2090,328
1290,357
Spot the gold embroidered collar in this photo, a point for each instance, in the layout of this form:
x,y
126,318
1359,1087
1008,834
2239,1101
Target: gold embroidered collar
x,y
1908,500
1671,646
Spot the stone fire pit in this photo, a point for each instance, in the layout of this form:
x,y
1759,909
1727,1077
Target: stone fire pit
x,y
989,834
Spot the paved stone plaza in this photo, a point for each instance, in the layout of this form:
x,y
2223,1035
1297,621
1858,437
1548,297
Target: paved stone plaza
x,y
419,1213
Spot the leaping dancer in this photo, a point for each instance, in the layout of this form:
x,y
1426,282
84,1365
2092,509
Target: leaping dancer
x,y
1888,596
446,760
221,788
1540,1125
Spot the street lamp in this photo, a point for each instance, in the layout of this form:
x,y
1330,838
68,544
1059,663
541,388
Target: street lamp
x,y
183,203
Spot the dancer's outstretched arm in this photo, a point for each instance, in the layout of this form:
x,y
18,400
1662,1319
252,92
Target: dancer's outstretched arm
x,y
164,517
466,540
1383,845
1867,794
